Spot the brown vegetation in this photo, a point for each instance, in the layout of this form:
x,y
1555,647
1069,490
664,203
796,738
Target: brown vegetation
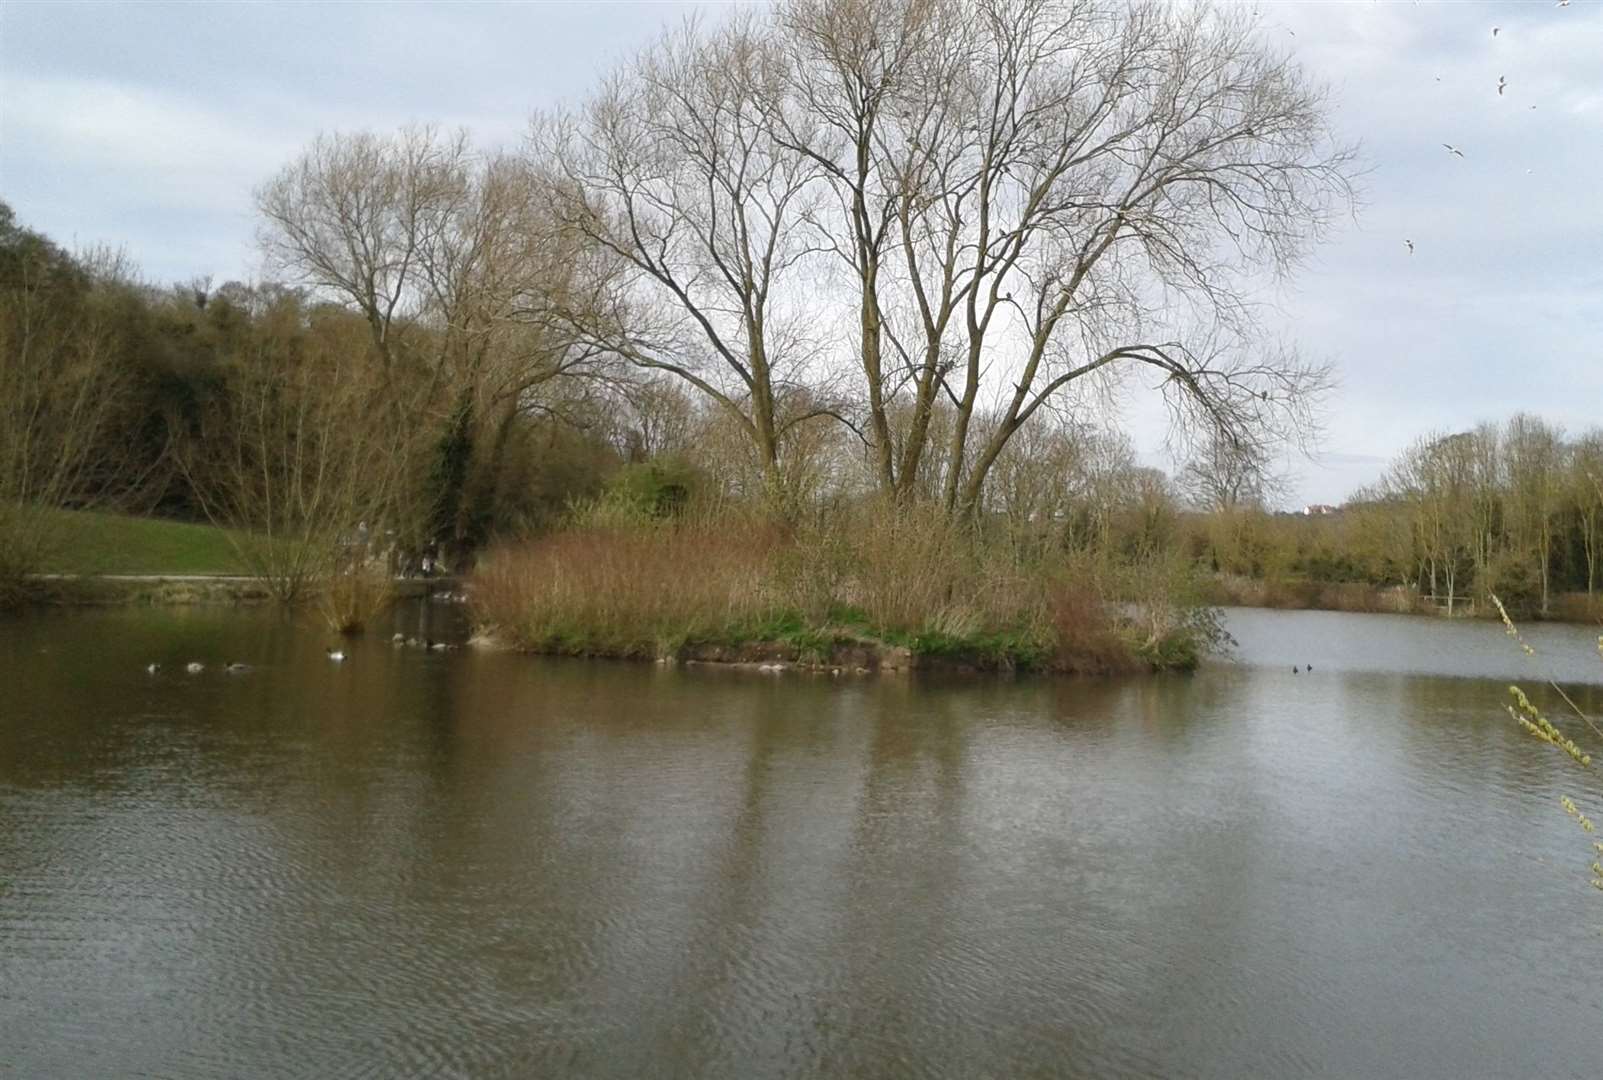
x,y
902,581
1512,509
61,393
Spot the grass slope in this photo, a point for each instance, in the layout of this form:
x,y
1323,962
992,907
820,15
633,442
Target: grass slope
x,y
98,543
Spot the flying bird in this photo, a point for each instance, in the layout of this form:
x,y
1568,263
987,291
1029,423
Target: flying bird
x,y
1410,244
1562,3
1495,29
1451,149
1502,82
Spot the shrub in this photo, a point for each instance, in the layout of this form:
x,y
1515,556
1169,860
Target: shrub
x,y
349,601
655,489
633,591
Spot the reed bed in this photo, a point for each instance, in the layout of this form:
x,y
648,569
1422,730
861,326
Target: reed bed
x,y
904,579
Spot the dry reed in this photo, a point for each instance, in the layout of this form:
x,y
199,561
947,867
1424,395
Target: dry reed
x,y
897,577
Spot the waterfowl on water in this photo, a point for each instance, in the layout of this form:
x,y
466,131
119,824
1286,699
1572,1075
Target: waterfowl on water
x,y
151,669
336,655
194,667
236,668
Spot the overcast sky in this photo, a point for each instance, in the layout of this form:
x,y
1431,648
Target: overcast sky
x,y
146,126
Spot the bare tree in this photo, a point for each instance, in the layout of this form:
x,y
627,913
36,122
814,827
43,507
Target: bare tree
x,y
354,215
1586,489
1435,479
870,79
294,462
1486,501
1225,475
440,250
1534,453
698,222
62,391
1071,189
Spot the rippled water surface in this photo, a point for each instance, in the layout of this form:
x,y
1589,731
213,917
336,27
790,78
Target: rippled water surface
x,y
454,864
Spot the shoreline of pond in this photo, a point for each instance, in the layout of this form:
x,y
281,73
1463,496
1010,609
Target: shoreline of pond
x,y
177,590
858,657
1356,598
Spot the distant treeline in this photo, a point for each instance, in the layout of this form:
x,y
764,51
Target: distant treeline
x,y
1513,510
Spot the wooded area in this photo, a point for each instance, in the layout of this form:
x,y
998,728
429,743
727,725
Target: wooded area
x,y
832,256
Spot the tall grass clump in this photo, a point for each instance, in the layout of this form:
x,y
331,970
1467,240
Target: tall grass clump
x,y
349,600
915,570
619,585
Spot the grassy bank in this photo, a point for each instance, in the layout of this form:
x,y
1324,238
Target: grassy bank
x,y
85,543
877,591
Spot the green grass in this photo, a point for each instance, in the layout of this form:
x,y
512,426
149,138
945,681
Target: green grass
x,y
97,543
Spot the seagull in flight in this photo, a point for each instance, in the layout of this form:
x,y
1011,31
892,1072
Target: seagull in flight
x,y
1451,149
1502,83
1410,244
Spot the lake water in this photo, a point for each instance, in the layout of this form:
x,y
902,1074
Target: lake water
x,y
479,865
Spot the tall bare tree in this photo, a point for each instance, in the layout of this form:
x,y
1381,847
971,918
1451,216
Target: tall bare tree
x,y
439,248
294,461
699,221
1486,501
1226,475
1586,489
1435,479
61,391
1069,189
1534,453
